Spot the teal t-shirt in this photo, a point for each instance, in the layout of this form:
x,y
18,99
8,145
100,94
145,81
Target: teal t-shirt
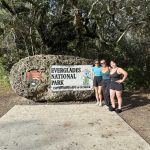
x,y
105,75
97,71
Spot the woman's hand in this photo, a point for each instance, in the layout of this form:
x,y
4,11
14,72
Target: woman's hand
x,y
92,77
119,81
124,73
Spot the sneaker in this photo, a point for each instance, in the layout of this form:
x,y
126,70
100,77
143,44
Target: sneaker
x,y
97,103
111,108
118,110
100,104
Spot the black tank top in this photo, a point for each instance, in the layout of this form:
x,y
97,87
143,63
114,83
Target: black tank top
x,y
115,76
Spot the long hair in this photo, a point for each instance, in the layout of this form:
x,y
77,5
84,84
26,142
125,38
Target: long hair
x,y
115,61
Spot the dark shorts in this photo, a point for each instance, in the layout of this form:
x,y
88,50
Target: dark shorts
x,y
97,81
116,86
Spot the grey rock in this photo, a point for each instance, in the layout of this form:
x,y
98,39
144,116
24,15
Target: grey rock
x,y
40,91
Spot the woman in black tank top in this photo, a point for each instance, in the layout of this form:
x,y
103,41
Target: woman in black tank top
x,y
117,76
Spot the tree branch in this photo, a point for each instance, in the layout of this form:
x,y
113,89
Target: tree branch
x,y
92,7
15,10
6,6
128,27
30,1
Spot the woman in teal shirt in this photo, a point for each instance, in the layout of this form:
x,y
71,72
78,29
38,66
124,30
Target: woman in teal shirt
x,y
105,71
97,82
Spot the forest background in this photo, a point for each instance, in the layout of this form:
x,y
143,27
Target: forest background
x,y
95,29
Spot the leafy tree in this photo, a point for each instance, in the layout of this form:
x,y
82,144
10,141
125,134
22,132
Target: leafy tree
x,y
112,29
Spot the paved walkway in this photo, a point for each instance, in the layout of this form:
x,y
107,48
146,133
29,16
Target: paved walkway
x,y
66,127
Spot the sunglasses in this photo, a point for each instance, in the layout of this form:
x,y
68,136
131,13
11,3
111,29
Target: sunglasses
x,y
103,63
96,63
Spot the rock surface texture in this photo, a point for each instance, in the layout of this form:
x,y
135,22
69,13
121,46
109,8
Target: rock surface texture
x,y
38,88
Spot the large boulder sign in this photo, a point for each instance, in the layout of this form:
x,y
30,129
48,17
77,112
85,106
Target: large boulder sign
x,y
52,78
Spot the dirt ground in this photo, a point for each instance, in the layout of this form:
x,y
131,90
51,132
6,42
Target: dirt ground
x,y
136,108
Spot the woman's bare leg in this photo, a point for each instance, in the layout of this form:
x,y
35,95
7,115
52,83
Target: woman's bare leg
x,y
100,93
112,97
96,94
119,97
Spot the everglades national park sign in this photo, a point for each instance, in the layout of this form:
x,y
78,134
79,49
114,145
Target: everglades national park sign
x,y
71,77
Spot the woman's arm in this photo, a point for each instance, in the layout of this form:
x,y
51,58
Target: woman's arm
x,y
124,73
109,68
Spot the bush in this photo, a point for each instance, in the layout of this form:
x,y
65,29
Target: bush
x,y
137,79
4,78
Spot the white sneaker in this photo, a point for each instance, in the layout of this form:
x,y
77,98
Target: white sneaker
x,y
97,103
100,104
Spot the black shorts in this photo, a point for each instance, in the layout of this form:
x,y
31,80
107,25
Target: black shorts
x,y
116,86
97,81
